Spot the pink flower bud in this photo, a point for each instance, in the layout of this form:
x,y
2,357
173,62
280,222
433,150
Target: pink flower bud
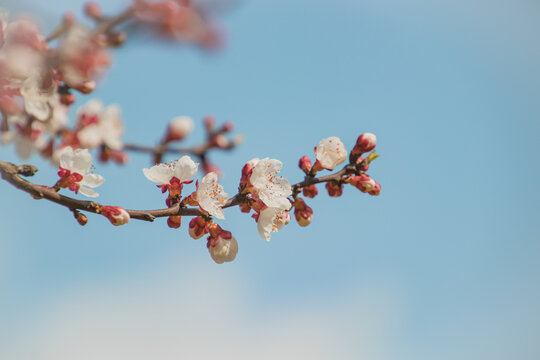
x,y
116,215
334,188
305,164
179,128
174,222
85,87
376,189
363,183
198,227
81,218
67,99
302,212
310,191
365,143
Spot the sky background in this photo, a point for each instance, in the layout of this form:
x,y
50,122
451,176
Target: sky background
x,y
442,265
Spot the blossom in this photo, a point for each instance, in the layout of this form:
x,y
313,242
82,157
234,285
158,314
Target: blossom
x,y
330,153
36,99
117,215
365,183
211,196
75,172
272,190
27,136
100,125
82,56
183,170
272,220
302,212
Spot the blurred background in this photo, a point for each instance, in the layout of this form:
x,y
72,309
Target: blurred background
x,y
442,265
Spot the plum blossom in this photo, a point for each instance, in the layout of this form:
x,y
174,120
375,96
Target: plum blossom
x,y
27,137
100,125
211,196
330,153
36,99
82,56
272,220
172,176
365,143
272,190
75,172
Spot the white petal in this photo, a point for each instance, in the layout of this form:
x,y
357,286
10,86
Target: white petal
x,y
185,168
331,152
92,180
82,160
270,221
161,173
88,192
66,157
211,196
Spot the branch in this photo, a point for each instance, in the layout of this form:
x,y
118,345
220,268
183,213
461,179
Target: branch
x,y
11,173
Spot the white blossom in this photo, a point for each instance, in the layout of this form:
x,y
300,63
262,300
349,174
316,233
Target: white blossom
x,y
80,161
183,169
331,152
211,196
271,189
100,125
36,99
272,220
224,251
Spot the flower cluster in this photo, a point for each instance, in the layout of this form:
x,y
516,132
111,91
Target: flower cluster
x,y
37,87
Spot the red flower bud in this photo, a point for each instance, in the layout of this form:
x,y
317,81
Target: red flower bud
x,y
310,191
305,164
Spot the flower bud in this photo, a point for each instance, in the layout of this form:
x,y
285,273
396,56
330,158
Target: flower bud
x,y
365,164
310,191
85,87
81,218
305,164
116,39
209,123
302,212
334,188
198,227
174,222
365,143
116,215
363,183
222,246
179,128
376,189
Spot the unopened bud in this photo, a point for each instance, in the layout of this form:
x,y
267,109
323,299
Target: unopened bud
x,y
227,127
220,141
179,128
334,188
81,218
302,212
92,9
117,215
174,221
209,122
305,164
198,227
376,189
363,183
68,20
310,191
365,143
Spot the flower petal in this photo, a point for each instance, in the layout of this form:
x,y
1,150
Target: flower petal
x,y
81,161
161,173
211,196
92,180
185,168
88,192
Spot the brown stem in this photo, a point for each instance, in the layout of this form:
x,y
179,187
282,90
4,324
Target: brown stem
x,y
11,173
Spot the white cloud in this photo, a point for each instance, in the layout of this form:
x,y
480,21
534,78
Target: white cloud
x,y
205,313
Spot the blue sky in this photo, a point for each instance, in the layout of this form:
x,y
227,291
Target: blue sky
x,y
443,264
